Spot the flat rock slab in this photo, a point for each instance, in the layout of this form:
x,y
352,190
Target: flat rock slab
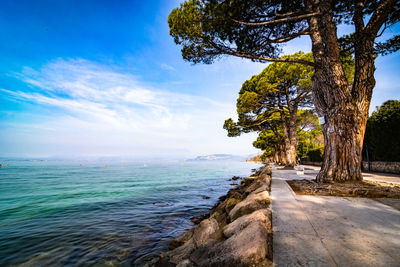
x,y
331,231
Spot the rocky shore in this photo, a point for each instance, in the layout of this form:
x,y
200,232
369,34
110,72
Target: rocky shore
x,y
236,232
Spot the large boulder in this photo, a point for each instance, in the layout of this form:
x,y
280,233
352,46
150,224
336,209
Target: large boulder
x,y
179,254
263,215
266,175
230,204
185,263
264,187
267,170
255,185
248,181
251,203
246,248
207,229
181,239
234,193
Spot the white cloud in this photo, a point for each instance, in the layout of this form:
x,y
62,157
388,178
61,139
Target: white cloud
x,y
106,110
90,92
167,67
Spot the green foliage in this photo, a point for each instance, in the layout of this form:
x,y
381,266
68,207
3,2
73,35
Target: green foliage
x,y
270,142
309,133
348,66
316,154
309,137
382,137
389,46
271,102
278,88
208,29
232,128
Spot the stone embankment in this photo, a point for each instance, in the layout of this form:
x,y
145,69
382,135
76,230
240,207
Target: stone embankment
x,y
236,232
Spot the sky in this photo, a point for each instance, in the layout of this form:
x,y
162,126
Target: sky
x,y
104,78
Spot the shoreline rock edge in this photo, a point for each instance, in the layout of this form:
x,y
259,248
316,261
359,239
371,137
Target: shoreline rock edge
x,y
236,232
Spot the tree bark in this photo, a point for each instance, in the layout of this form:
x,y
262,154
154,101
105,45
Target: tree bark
x,y
344,134
343,107
290,137
291,141
280,156
290,149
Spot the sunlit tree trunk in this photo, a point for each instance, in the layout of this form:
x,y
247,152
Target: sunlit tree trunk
x,y
289,126
280,156
344,108
290,144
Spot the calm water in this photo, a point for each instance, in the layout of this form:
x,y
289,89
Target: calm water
x,y
63,214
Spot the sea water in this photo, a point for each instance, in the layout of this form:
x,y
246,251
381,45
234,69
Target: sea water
x,y
68,213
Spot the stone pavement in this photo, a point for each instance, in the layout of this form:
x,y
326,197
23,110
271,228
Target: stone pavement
x,y
331,231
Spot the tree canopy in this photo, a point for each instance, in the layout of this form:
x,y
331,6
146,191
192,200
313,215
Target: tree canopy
x,y
309,138
256,29
270,102
279,88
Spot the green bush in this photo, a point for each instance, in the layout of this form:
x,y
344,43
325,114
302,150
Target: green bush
x,y
316,154
382,136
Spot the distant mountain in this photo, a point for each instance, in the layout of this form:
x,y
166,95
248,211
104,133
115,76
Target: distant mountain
x,y
215,157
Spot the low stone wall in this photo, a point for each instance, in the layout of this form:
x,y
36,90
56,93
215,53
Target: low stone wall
x,y
382,166
236,232
313,163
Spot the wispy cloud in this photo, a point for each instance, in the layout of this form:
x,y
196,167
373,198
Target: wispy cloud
x,y
93,107
93,92
167,67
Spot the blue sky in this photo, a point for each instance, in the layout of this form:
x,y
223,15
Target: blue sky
x,y
104,78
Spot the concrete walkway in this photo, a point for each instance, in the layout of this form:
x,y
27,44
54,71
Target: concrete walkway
x,y
331,231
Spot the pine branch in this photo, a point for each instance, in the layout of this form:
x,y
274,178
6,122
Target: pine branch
x,y
275,21
379,17
291,60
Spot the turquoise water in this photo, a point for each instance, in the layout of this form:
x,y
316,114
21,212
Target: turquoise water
x,y
58,213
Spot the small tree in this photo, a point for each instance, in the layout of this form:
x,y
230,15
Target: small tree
x,y
254,29
271,141
308,132
309,135
276,94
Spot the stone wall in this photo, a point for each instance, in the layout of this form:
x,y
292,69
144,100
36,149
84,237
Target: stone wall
x,y
313,163
382,166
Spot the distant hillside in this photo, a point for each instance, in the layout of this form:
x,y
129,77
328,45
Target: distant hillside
x,y
215,157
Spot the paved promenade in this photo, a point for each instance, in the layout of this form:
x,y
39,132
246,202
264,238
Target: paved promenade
x,y
331,231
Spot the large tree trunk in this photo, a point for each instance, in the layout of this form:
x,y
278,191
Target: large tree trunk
x,y
290,148
344,134
344,108
344,115
280,156
291,154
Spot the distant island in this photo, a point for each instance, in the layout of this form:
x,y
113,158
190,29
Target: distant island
x,y
217,157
